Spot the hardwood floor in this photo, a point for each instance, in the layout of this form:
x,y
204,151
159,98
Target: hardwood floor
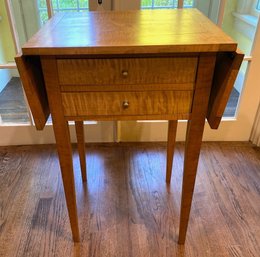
x,y
125,208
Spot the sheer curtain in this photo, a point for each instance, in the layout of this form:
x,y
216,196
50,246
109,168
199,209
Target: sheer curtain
x,y
255,136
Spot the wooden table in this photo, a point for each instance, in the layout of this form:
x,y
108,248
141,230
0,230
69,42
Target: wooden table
x,y
165,64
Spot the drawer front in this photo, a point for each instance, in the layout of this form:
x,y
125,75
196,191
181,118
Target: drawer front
x,y
116,71
127,103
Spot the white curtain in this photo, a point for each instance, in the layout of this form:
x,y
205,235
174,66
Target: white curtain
x,y
255,135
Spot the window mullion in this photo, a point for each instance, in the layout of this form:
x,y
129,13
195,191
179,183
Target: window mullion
x,y
58,5
180,4
49,8
258,5
221,12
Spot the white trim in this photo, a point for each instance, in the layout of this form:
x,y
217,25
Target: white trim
x,y
12,26
10,65
258,6
248,58
221,12
26,134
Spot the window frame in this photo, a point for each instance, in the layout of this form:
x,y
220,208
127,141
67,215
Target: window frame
x,y
258,5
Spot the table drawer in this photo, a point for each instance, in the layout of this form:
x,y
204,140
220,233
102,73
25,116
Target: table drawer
x,y
127,103
127,71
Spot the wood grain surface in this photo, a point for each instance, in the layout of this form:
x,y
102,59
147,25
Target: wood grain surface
x,y
129,32
79,126
126,208
62,138
226,70
32,80
147,103
139,34
193,140
171,138
116,71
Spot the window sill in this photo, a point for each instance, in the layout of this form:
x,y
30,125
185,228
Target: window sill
x,y
245,24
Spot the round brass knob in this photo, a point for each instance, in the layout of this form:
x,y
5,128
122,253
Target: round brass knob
x,y
125,104
125,73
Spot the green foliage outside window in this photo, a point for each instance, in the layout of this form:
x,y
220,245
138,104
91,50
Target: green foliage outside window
x,y
82,5
61,5
150,4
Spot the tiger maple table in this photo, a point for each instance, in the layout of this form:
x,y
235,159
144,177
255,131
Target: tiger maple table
x,y
165,64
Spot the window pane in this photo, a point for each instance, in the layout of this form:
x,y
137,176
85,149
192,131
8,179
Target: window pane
x,y
13,109
188,3
258,5
231,108
43,14
163,3
240,23
67,4
156,4
60,6
83,4
42,3
147,3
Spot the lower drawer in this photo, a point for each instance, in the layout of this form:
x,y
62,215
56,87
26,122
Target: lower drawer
x,y
127,103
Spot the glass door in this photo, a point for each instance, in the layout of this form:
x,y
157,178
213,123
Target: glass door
x,y
13,107
19,20
239,19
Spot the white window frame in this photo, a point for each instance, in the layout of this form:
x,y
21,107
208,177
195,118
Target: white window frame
x,y
258,6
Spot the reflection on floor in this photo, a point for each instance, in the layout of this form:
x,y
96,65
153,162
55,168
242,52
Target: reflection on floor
x,y
13,108
12,105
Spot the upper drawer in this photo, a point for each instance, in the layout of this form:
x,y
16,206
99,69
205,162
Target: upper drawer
x,y
127,71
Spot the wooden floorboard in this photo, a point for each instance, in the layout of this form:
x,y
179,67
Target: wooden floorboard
x,y
125,208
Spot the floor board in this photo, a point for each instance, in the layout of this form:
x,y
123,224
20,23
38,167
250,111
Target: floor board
x,y
125,208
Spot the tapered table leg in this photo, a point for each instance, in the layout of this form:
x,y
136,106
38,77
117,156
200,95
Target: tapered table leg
x,y
79,125
192,151
172,129
65,157
63,143
194,138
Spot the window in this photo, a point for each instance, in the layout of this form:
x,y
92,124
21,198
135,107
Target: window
x,y
164,4
61,5
157,4
258,5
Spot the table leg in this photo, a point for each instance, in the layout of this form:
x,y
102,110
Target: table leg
x,y
63,143
194,138
79,125
172,129
66,164
193,141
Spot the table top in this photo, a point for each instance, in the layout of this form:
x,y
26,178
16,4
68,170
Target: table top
x,y
129,32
